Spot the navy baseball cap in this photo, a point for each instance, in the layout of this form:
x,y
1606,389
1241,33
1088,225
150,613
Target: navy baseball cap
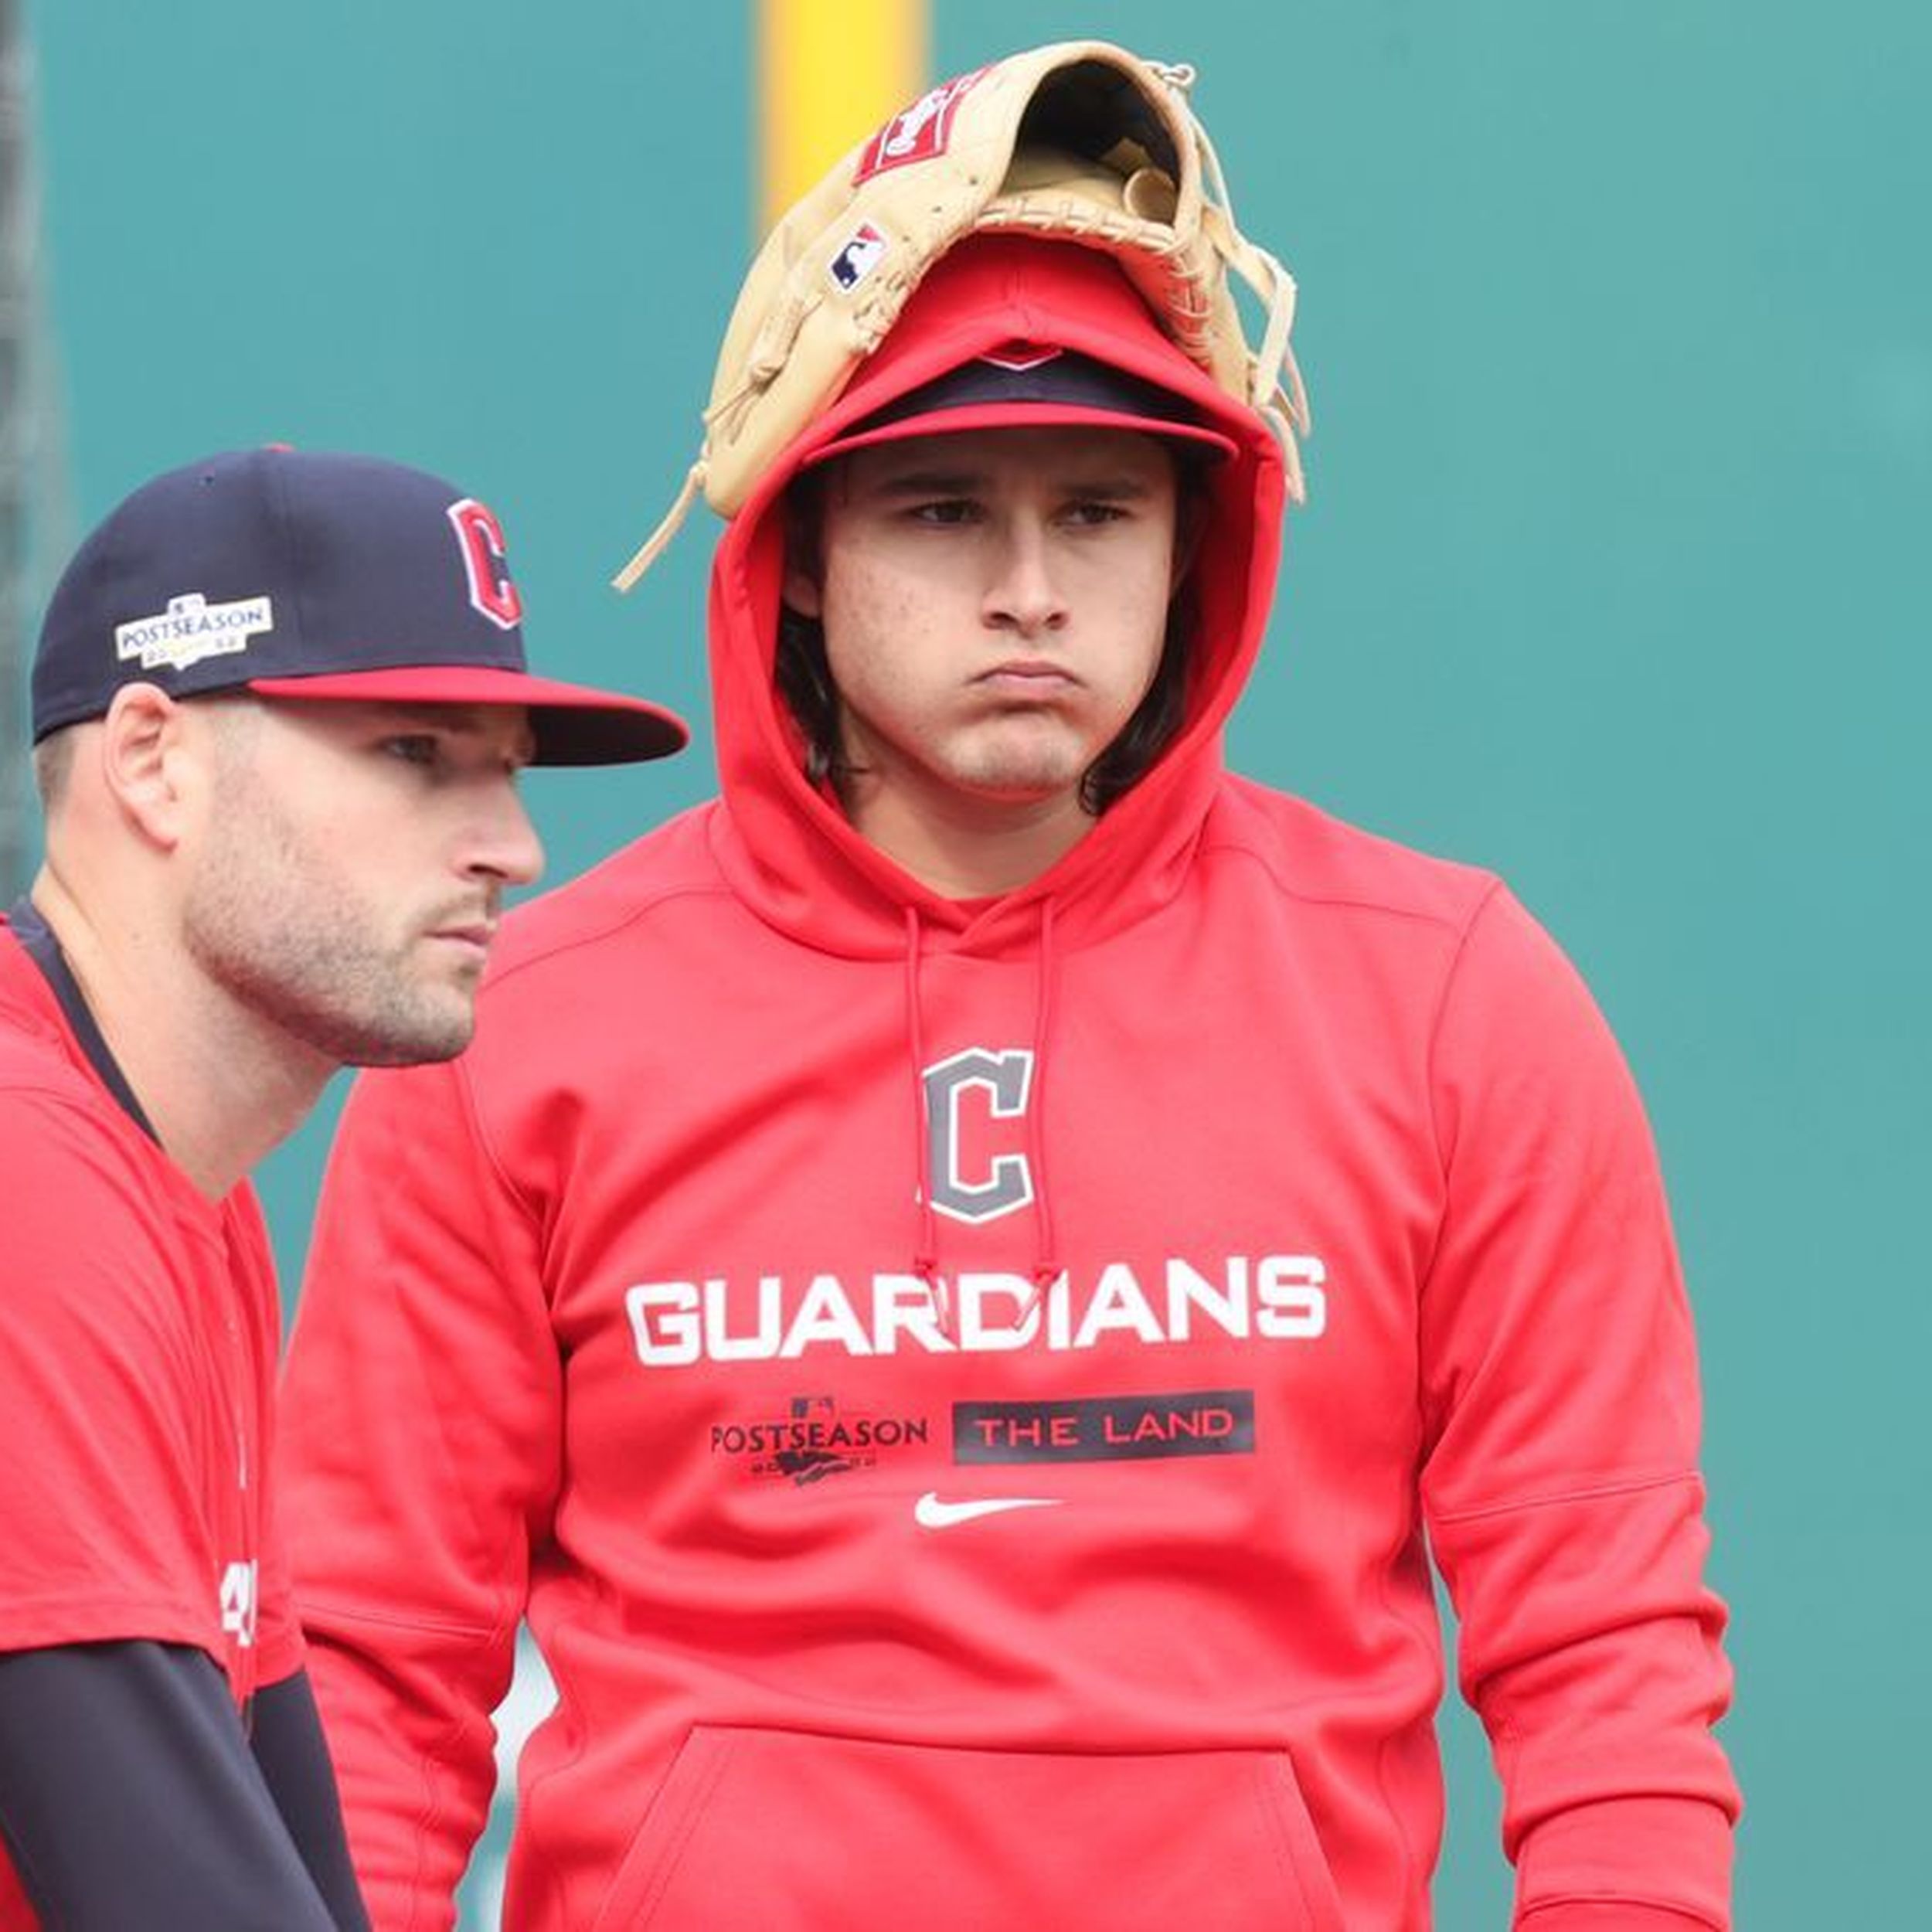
x,y
1030,385
296,574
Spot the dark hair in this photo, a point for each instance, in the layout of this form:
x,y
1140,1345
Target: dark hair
x,y
802,673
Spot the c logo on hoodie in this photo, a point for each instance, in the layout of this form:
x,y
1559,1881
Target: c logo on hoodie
x,y
993,1184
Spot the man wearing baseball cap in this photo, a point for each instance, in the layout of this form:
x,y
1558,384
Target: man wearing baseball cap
x,y
280,703
968,1394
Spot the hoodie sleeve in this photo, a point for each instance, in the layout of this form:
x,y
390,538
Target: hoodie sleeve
x,y
1561,1483
420,1422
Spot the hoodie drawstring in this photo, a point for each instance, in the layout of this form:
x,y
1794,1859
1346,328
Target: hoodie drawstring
x,y
1045,1261
926,1246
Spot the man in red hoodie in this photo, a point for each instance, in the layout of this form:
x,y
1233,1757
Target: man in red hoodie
x,y
961,1284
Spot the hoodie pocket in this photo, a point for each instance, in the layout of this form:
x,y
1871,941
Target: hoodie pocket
x,y
787,1831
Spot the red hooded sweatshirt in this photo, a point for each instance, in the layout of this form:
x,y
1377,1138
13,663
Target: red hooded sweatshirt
x,y
966,1394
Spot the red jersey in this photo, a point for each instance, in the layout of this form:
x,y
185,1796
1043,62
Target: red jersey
x,y
136,1376
968,1394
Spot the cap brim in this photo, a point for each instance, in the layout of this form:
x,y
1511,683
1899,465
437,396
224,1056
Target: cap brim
x,y
574,725
1019,414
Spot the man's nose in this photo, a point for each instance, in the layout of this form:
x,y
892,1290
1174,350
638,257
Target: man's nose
x,y
503,843
1024,594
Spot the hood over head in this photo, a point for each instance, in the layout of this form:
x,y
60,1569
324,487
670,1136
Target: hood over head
x,y
995,301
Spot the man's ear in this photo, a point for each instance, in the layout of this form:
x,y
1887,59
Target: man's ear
x,y
801,592
146,763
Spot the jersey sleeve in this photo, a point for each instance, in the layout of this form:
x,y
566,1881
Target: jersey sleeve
x,y
102,1535
420,1442
1560,1483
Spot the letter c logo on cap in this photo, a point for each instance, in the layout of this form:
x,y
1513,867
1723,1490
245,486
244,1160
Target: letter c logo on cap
x,y
486,562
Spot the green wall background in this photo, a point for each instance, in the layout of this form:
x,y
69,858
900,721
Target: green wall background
x,y
1618,323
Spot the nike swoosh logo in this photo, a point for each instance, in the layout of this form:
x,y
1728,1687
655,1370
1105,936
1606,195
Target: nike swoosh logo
x,y
930,1512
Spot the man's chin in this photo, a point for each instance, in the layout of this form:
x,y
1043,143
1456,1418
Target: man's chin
x,y
1021,778
419,1041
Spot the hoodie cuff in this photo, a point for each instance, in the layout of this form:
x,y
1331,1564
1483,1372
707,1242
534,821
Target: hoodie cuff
x,y
1627,1864
1611,1916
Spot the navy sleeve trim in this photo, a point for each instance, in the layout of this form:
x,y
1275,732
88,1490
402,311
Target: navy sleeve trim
x,y
286,1736
129,1796
37,941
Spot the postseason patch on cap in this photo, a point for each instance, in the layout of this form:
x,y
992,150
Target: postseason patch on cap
x,y
916,133
192,628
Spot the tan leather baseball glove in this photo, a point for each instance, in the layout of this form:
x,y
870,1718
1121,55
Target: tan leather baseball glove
x,y
1079,141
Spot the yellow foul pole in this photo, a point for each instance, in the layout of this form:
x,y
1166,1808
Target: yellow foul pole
x,y
829,72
